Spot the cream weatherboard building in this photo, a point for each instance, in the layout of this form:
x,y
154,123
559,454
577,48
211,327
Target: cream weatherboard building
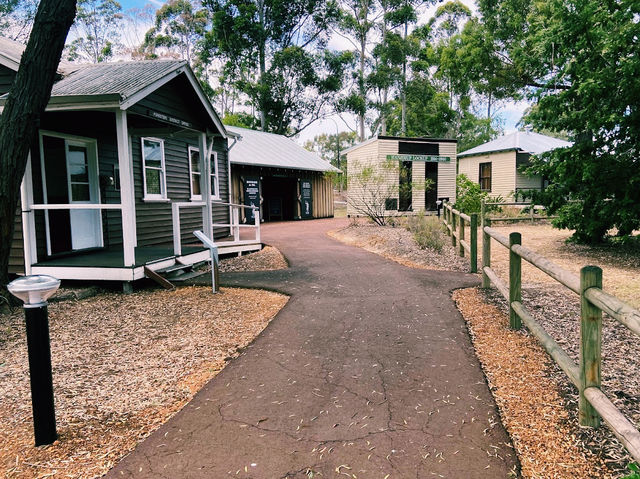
x,y
497,165
401,164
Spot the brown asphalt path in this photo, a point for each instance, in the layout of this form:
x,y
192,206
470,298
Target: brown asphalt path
x,y
368,372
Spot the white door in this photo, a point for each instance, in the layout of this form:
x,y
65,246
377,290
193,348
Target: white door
x,y
82,180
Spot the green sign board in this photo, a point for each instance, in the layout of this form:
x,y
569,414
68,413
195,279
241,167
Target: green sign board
x,y
426,158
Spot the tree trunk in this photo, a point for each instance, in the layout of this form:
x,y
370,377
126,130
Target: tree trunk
x,y
404,85
363,92
263,66
25,104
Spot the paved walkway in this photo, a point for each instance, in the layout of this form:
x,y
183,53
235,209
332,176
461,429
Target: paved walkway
x,y
368,372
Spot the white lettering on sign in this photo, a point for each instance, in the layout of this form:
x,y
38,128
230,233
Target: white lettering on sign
x,y
426,158
169,119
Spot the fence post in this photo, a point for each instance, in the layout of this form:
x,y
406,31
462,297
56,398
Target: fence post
x,y
473,229
453,228
515,280
486,253
460,235
482,214
590,344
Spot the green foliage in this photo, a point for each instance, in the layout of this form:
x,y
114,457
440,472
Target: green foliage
x,y
243,120
273,52
427,231
584,75
330,149
635,471
178,30
469,196
96,28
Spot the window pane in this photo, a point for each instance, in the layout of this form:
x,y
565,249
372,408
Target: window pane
x,y
80,192
153,153
195,185
153,181
78,167
213,186
195,161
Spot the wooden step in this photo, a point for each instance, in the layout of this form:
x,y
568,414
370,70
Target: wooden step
x,y
189,275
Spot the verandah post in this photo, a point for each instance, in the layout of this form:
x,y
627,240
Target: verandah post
x,y
473,229
486,254
590,344
515,280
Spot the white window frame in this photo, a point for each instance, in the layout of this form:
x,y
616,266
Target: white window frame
x,y
215,174
191,173
163,183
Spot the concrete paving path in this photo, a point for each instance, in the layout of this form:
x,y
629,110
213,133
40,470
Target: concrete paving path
x,y
368,372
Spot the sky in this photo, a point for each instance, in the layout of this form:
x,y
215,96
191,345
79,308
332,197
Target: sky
x,y
509,113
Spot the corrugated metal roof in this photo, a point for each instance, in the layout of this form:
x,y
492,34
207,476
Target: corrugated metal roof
x,y
11,53
122,78
525,141
258,148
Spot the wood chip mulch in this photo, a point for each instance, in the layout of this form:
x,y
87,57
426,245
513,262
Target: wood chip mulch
x,y
122,366
267,259
532,402
398,244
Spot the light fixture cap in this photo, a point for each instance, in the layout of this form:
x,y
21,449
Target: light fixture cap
x,y
34,290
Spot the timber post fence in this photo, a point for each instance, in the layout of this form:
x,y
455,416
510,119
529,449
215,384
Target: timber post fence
x,y
594,405
456,222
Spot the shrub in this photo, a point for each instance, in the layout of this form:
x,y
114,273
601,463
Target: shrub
x,y
469,195
427,231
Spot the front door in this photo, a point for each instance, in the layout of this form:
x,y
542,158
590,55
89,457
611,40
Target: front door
x,y
71,176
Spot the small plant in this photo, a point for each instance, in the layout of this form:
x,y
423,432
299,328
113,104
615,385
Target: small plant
x,y
427,231
635,471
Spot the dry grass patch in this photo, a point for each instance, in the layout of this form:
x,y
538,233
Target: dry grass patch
x,y
548,443
122,365
620,265
399,245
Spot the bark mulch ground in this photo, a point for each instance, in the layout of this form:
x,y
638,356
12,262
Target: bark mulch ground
x,y
398,244
122,365
267,259
533,404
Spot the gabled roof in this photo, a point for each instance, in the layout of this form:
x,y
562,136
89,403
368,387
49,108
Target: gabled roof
x,y
257,148
11,53
115,85
522,141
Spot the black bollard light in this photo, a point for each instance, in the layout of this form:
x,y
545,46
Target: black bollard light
x,y
34,291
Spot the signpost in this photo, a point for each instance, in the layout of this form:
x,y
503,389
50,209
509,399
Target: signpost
x,y
251,196
306,200
425,158
215,273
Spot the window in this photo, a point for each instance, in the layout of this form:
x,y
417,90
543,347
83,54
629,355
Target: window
x,y
155,186
195,173
116,177
485,177
215,183
195,170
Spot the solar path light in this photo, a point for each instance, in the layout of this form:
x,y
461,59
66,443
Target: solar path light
x,y
34,291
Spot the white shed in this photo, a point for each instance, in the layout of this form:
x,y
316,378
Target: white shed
x,y
401,163
497,165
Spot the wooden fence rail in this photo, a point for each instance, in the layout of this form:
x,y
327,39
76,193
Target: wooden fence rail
x,y
593,405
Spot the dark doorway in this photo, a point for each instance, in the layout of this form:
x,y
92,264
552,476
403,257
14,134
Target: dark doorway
x,y
57,192
431,173
280,196
405,193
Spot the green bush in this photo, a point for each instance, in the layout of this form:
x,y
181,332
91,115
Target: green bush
x,y
427,231
469,196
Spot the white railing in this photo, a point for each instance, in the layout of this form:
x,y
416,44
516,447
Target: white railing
x,y
175,221
235,224
77,206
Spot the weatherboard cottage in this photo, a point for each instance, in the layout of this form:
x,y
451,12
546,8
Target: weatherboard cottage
x,y
402,164
130,159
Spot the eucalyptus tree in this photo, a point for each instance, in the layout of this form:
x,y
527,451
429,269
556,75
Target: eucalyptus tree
x,y
180,25
16,18
25,103
96,31
274,52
